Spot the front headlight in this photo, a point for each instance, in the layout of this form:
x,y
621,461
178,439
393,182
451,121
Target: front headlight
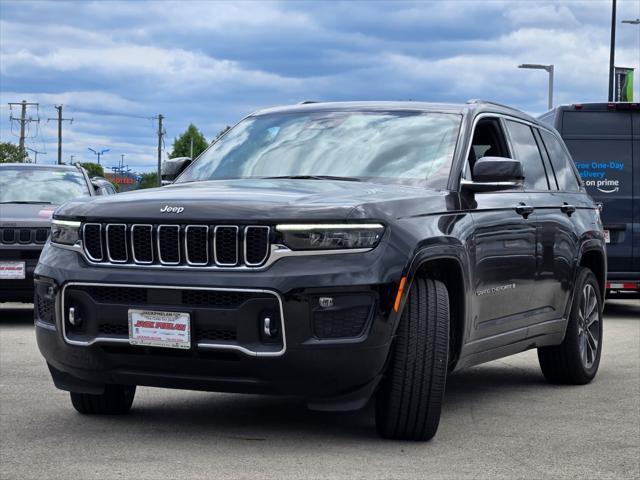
x,y
330,236
66,232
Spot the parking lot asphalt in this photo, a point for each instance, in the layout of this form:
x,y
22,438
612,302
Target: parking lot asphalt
x,y
500,420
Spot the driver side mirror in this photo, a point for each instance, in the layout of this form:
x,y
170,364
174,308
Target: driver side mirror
x,y
495,173
172,168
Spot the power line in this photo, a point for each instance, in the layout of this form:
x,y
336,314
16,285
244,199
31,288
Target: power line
x,y
36,152
60,120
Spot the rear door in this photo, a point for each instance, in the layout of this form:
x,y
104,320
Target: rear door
x,y
601,145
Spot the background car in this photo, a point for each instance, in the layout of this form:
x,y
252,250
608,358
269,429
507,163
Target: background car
x,y
29,194
603,139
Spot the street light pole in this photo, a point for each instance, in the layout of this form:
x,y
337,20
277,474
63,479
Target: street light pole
x,y
612,51
99,152
550,70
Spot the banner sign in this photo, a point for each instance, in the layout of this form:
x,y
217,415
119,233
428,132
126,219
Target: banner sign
x,y
623,84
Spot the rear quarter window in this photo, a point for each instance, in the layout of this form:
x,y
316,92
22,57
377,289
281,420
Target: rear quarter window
x,y
560,161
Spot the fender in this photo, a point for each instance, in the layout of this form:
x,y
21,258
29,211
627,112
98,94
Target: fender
x,y
441,251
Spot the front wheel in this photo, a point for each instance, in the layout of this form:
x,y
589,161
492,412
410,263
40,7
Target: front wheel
x,y
116,399
409,400
575,361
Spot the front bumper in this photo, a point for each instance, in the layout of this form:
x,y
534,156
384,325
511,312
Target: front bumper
x,y
19,290
323,365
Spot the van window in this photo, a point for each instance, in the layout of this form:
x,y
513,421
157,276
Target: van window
x,y
595,123
526,150
565,175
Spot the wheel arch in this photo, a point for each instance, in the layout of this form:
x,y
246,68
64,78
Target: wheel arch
x,y
449,265
593,256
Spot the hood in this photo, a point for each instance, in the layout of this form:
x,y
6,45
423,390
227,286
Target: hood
x,y
25,215
253,200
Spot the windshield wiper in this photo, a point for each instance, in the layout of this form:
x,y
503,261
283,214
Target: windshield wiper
x,y
28,202
314,177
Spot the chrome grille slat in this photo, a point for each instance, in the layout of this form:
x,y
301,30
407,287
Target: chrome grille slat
x,y
142,235
198,237
117,250
223,246
168,244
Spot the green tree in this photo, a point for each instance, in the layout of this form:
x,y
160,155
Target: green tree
x,y
10,153
149,180
94,169
182,144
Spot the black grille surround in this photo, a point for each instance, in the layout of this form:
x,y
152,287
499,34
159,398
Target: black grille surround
x,y
177,245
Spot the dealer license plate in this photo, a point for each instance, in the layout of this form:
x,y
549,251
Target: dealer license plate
x,y
159,329
607,236
12,271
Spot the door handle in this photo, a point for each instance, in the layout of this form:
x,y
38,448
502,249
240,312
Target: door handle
x,y
568,209
524,209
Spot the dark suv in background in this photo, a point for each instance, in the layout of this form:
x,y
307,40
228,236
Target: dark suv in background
x,y
29,194
604,141
335,251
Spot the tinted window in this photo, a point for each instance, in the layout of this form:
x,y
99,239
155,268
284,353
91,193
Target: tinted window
x,y
526,150
596,123
560,161
407,146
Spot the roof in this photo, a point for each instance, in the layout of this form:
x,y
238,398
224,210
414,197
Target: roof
x,y
39,165
472,106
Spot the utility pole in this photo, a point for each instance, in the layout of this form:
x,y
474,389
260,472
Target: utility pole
x,y
191,154
612,52
23,120
60,120
160,135
36,152
71,159
121,168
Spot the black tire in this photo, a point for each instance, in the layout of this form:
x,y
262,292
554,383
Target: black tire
x,y
574,362
115,400
409,399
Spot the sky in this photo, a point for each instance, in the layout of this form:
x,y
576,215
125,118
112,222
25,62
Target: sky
x,y
116,65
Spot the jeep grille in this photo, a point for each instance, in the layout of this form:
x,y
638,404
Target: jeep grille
x,y
176,245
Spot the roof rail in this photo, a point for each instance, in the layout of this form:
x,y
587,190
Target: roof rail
x,y
306,102
479,100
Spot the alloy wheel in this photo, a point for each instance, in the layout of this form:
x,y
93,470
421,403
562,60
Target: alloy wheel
x,y
589,326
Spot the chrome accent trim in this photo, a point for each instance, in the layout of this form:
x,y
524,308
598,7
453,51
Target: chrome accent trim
x,y
298,227
126,248
84,242
215,245
133,245
220,346
162,262
186,247
244,243
66,223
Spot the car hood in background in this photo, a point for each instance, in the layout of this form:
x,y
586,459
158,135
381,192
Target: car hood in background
x,y
25,214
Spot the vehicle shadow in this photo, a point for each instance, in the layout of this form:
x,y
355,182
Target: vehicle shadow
x,y
11,315
255,418
622,309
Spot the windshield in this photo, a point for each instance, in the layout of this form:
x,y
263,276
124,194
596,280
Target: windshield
x,y
41,185
415,147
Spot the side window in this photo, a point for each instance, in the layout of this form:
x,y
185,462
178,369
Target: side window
x,y
565,174
526,150
488,141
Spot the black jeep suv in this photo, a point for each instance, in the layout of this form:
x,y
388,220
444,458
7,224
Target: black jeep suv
x,y
335,251
29,194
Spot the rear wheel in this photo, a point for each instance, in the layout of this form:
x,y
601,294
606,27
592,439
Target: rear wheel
x,y
575,361
410,397
116,399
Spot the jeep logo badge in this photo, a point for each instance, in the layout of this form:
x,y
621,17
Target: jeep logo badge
x,y
168,209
